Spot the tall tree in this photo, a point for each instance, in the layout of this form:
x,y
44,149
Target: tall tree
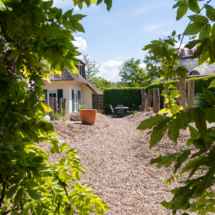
x,y
92,68
33,32
132,74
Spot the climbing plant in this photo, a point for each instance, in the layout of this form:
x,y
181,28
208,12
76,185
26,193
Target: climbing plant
x,y
195,194
35,42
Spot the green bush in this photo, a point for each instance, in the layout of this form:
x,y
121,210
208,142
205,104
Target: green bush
x,y
64,112
55,116
129,96
122,96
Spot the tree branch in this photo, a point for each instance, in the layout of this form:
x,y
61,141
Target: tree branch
x,y
23,9
3,193
184,35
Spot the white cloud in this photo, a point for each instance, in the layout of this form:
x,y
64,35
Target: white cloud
x,y
110,70
120,57
178,44
80,43
143,65
154,27
141,10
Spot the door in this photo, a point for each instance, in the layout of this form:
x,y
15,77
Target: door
x,y
76,103
51,95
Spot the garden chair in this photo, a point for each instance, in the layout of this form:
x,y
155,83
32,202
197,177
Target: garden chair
x,y
112,110
130,110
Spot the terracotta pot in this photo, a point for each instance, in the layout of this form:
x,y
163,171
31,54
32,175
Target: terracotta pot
x,y
88,116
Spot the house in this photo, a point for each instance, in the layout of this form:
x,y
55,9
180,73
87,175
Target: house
x,y
192,65
75,88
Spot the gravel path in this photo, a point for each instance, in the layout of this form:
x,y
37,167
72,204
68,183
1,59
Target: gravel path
x,y
116,157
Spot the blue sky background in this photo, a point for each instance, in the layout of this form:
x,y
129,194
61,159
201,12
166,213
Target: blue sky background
x,y
112,37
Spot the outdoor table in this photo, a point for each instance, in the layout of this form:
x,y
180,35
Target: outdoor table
x,y
121,110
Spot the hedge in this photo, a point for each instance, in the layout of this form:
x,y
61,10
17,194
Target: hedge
x,y
132,95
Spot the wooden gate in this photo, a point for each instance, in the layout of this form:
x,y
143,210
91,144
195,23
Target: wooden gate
x,y
98,102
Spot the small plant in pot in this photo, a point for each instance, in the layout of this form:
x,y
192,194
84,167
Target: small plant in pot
x,y
88,116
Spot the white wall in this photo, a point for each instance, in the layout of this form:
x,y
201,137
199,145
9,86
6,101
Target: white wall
x,y
87,96
68,86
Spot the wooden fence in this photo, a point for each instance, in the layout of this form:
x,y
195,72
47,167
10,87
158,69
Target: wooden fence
x,y
181,86
55,105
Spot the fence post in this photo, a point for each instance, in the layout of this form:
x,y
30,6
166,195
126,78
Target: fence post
x,y
55,105
182,101
177,84
191,87
52,107
64,104
143,99
149,97
146,101
156,100
60,106
165,105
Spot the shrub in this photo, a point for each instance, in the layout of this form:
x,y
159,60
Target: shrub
x,y
64,112
82,107
129,96
55,116
125,96
64,119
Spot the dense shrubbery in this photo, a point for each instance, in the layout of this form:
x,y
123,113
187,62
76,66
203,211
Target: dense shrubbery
x,y
125,96
129,96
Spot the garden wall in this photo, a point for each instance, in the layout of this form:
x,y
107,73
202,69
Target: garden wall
x,y
132,95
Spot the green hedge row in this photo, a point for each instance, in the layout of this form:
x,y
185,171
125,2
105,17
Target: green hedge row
x,y
132,95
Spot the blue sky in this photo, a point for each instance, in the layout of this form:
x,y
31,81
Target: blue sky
x,y
112,37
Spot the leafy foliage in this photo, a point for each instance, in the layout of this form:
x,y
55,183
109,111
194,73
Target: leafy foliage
x,y
125,96
197,156
35,42
135,76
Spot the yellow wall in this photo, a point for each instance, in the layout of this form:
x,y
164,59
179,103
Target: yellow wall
x,y
68,86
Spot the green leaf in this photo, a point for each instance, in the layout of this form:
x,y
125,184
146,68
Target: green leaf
x,y
78,27
109,4
34,194
19,62
18,196
210,208
198,116
206,182
99,2
209,96
12,191
182,10
212,84
182,72
67,14
198,18
194,28
210,12
149,123
205,32
165,161
181,158
193,5
63,146
173,33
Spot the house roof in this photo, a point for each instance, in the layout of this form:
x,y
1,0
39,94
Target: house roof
x,y
67,75
192,66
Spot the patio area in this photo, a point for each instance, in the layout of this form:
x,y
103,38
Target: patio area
x,y
116,157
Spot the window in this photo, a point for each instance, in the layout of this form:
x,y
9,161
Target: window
x,y
80,70
51,95
194,72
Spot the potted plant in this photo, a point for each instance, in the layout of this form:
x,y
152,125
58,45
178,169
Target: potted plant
x,y
88,116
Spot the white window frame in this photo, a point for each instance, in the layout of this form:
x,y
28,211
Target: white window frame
x,y
49,97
